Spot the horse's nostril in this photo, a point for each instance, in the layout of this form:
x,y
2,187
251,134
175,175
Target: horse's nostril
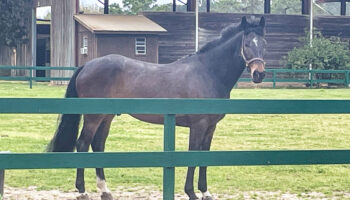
x,y
258,76
262,75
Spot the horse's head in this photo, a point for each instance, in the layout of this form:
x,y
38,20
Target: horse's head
x,y
253,48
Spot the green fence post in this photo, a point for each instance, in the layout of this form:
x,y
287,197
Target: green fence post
x,y
31,77
169,145
2,181
274,79
347,78
311,78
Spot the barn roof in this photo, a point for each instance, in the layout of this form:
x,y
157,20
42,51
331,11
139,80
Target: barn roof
x,y
118,24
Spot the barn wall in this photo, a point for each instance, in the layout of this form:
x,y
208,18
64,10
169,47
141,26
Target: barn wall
x,y
179,39
62,37
283,32
92,48
125,45
334,26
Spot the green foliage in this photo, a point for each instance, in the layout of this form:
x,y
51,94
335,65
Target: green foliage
x,y
114,8
131,7
238,6
325,53
14,22
286,7
134,7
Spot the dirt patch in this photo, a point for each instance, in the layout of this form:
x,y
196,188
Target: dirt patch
x,y
148,193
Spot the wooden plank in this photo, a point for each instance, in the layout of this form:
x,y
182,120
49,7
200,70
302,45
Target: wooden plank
x,y
169,145
62,37
174,106
172,159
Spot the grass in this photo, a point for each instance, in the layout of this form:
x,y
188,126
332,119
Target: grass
x,y
31,133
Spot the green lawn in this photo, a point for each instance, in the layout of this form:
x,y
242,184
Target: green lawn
x,y
31,133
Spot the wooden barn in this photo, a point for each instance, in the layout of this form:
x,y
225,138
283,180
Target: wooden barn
x,y
132,36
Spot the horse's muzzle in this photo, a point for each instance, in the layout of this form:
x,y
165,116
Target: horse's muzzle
x,y
257,71
258,76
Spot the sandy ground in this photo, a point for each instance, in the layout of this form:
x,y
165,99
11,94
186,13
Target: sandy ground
x,y
144,193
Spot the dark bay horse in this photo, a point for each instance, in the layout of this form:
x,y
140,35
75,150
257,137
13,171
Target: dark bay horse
x,y
210,73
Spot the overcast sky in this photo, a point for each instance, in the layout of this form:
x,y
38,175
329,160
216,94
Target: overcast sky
x,y
42,11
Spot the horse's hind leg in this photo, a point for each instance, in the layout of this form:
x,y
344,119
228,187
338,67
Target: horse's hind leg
x,y
91,124
197,134
202,181
98,145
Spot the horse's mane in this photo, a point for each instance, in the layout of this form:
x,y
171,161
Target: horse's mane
x,y
226,33
231,31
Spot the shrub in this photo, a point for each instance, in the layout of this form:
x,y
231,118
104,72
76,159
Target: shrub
x,y
326,53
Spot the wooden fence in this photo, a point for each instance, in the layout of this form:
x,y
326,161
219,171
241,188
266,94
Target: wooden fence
x,y
169,158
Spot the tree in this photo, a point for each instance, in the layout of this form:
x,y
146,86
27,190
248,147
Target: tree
x,y
114,8
133,7
91,9
286,7
14,22
238,6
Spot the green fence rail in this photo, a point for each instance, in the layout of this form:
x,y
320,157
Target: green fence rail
x,y
169,158
307,73
274,79
30,77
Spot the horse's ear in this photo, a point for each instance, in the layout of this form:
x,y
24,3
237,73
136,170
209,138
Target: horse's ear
x,y
244,22
262,21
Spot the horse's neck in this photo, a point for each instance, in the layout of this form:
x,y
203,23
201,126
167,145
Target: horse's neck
x,y
224,62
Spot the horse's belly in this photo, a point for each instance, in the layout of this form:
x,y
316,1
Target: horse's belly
x,y
181,120
159,119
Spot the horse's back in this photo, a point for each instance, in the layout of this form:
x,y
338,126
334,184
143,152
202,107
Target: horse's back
x,y
121,77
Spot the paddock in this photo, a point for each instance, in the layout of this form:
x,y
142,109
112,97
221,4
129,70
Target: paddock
x,y
247,133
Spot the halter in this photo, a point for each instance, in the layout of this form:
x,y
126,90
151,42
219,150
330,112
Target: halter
x,y
247,62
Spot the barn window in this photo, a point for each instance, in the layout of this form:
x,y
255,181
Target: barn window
x,y
140,46
84,48
85,41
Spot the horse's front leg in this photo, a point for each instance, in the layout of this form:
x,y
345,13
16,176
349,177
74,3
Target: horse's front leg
x,y
98,145
202,181
197,133
91,123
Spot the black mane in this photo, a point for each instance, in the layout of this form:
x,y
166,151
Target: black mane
x,y
232,30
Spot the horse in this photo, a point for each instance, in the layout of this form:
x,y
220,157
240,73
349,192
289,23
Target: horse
x,y
211,72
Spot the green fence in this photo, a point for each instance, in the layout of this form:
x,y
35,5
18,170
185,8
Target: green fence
x,y
31,77
307,73
169,158
274,79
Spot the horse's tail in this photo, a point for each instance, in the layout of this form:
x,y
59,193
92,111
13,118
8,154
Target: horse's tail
x,y
66,134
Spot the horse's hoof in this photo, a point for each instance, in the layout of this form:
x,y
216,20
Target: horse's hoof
x,y
106,196
83,196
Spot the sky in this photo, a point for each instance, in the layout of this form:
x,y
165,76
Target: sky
x,y
42,11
